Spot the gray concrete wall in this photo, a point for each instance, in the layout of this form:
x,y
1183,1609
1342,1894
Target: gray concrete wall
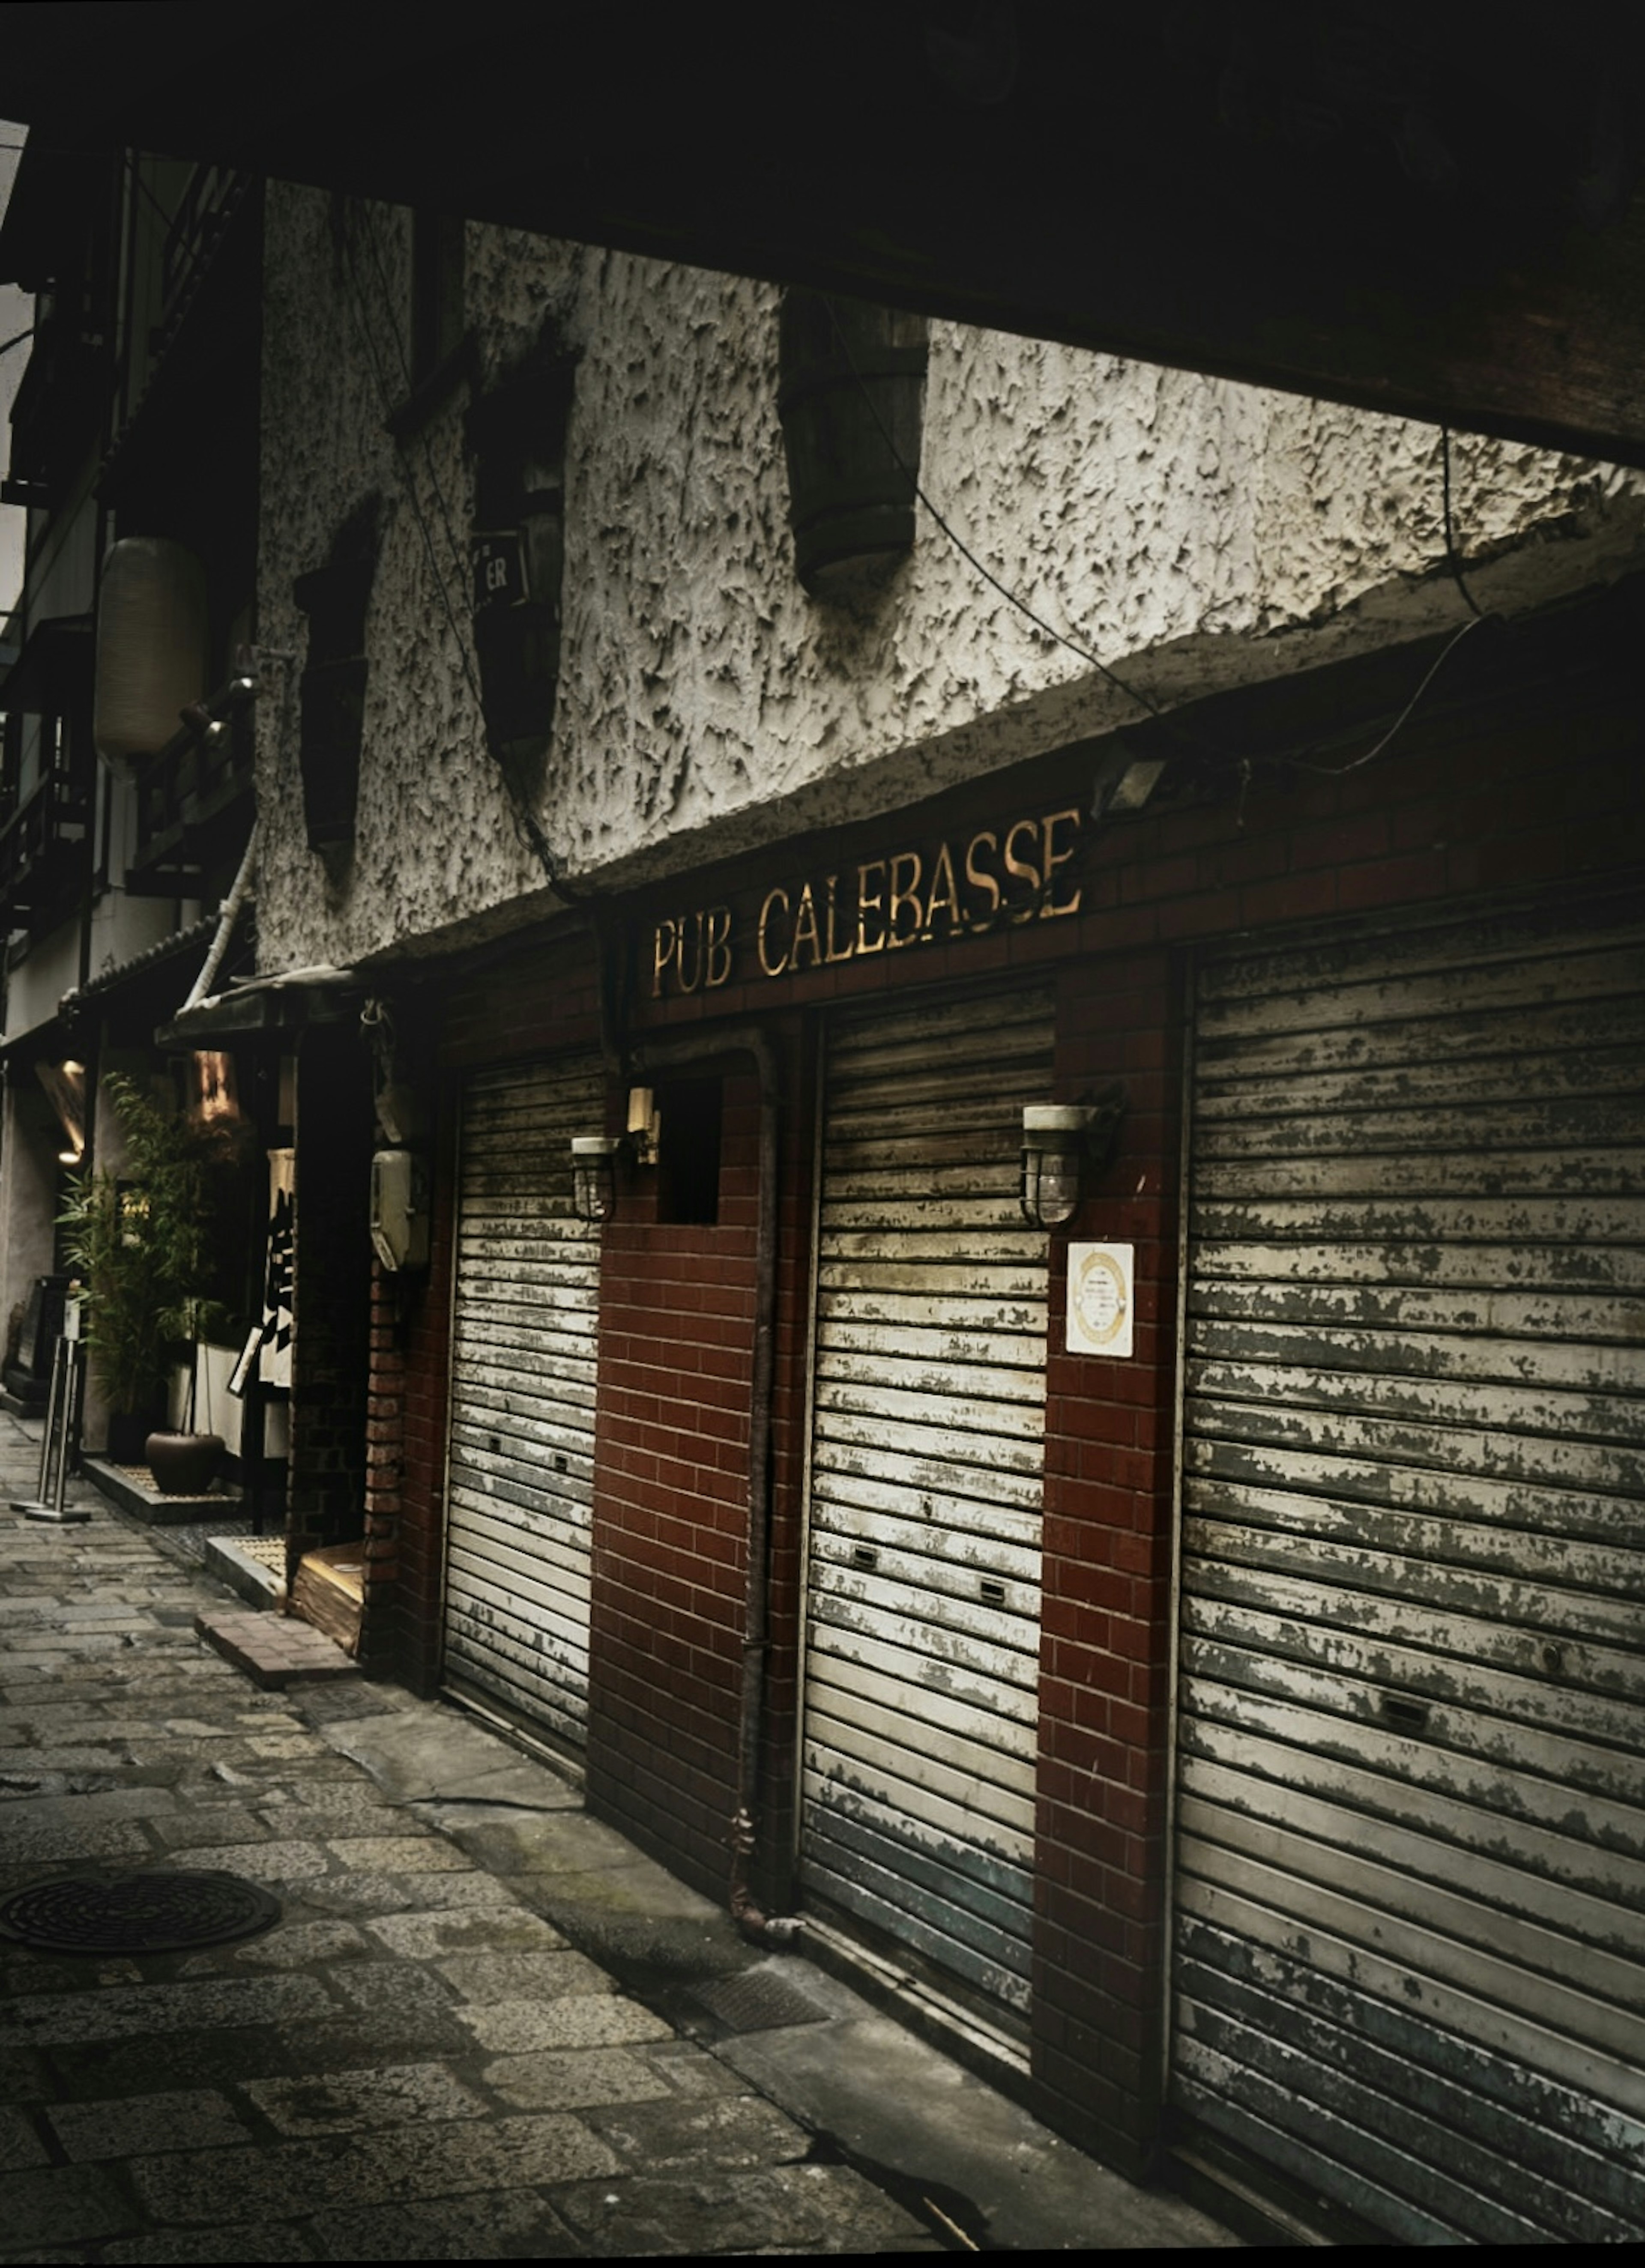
x,y
1194,535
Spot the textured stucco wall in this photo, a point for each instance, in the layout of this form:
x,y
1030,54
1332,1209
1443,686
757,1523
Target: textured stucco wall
x,y
1195,534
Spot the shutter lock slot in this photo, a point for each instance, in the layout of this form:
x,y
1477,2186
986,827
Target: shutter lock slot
x,y
1404,1713
864,1554
994,1592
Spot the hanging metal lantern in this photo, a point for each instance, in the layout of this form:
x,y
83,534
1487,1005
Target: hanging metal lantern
x,y
850,397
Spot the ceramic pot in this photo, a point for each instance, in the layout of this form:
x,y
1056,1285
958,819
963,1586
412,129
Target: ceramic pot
x,y
184,1465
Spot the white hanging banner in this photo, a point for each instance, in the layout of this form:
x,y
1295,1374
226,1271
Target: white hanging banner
x,y
267,1353
1101,1300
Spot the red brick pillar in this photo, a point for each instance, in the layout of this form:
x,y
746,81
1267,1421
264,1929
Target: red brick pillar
x,y
1104,1760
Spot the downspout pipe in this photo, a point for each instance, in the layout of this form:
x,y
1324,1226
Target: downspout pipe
x,y
667,1055
228,914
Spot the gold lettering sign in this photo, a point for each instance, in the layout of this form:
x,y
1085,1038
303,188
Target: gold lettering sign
x,y
885,904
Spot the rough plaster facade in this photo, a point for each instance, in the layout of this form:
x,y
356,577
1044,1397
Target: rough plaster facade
x,y
1195,534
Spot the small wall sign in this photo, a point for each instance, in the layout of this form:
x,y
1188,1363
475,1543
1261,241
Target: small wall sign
x,y
500,571
1101,1297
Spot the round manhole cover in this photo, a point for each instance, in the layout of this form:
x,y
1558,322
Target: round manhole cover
x,y
101,1910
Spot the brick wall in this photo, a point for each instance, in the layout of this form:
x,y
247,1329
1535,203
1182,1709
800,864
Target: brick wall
x,y
1107,1567
676,1324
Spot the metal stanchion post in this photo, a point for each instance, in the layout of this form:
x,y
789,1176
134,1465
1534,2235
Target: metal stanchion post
x,y
56,1449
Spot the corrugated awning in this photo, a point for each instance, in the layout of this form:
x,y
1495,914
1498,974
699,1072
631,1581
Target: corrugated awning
x,y
196,936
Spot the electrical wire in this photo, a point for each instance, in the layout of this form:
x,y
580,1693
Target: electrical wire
x,y
525,818
369,228
1130,691
17,341
1335,771
1196,740
165,218
1451,560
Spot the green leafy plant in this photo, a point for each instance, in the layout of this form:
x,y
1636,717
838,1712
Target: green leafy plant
x,y
144,1242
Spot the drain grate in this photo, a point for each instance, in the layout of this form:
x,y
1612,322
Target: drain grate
x,y
756,2001
99,1910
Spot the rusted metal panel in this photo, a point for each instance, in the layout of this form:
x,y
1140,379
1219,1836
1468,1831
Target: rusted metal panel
x,y
524,1353
1410,1874
923,1592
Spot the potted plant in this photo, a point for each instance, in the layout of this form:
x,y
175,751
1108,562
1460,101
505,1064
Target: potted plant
x,y
142,1241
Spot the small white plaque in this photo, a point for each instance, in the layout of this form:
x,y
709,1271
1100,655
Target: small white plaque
x,y
1101,1297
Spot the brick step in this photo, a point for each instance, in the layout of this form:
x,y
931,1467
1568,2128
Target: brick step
x,y
272,1649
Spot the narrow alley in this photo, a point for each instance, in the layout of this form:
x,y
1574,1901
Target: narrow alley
x,y
420,2059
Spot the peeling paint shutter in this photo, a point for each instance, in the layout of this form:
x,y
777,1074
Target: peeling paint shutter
x,y
523,1355
1411,1905
923,1560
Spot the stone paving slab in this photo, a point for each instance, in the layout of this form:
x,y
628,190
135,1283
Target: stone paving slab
x,y
432,2055
406,2065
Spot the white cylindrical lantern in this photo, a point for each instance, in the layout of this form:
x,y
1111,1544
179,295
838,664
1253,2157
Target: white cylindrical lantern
x,y
151,646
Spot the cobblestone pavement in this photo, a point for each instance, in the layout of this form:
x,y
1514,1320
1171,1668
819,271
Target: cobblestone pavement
x,y
414,2065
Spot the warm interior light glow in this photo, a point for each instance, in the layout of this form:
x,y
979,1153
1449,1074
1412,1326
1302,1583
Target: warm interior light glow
x,y
65,1089
214,1094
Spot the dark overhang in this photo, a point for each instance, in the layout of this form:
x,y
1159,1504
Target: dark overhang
x,y
1424,208
54,663
266,1008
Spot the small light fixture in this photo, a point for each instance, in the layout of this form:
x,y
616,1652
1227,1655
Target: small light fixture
x,y
593,1176
644,1125
1053,1146
1060,1139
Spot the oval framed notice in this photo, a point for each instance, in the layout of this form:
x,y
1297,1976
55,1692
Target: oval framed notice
x,y
1101,1297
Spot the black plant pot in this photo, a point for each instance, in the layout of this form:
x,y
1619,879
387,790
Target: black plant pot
x,y
184,1465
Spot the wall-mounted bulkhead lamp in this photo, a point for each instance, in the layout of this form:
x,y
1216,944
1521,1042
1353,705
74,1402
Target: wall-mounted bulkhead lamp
x,y
1060,1140
593,1176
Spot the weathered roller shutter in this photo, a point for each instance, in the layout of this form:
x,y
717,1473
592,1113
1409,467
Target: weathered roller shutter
x,y
1411,1904
923,1561
523,1357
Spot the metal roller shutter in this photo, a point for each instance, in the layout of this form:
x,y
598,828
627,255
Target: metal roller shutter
x,y
924,1558
525,1320
1411,1890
